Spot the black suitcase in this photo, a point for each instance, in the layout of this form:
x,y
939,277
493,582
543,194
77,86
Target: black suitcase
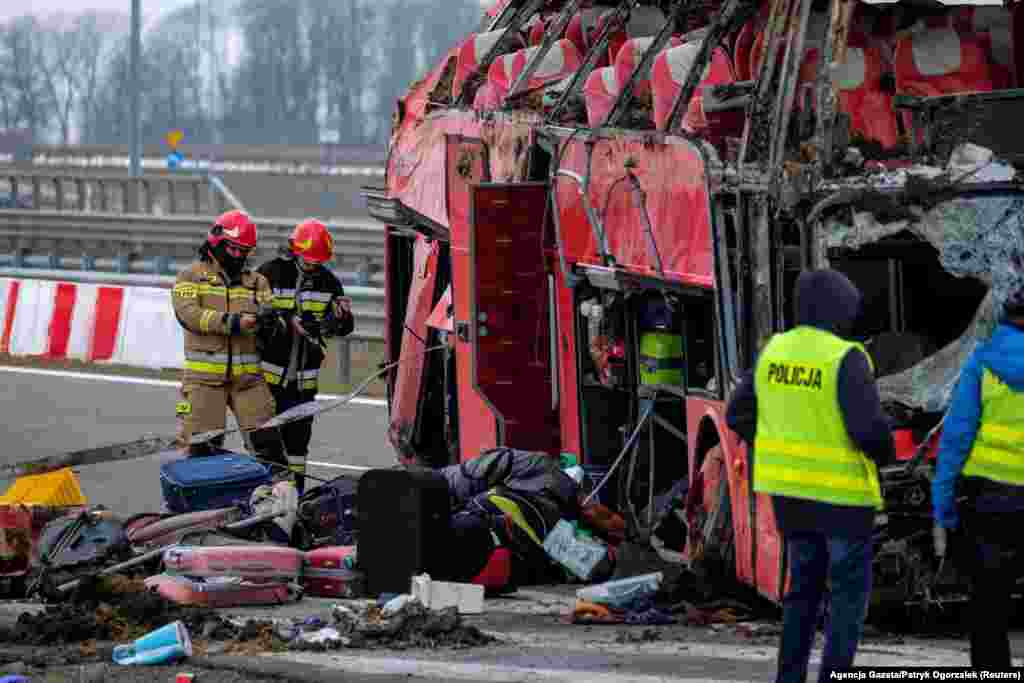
x,y
404,527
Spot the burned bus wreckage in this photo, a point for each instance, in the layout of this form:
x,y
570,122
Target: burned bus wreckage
x,y
599,210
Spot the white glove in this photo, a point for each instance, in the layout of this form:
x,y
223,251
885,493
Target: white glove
x,y
939,540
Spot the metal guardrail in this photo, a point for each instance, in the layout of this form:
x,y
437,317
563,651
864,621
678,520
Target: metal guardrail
x,y
153,195
126,242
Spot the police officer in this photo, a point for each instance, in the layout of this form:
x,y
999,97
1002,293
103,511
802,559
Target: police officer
x,y
981,456
810,407
313,302
217,300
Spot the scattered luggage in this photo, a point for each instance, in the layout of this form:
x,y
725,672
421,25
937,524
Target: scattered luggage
x,y
81,538
331,573
327,514
213,481
264,562
158,530
217,592
404,518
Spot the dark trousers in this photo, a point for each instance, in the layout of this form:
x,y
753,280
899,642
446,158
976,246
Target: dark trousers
x,y
994,554
296,435
845,563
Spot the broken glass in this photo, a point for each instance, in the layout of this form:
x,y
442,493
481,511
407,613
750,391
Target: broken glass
x,y
977,236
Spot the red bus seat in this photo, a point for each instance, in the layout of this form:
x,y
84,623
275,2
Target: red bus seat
x,y
473,50
629,57
599,93
562,60
938,60
670,71
858,84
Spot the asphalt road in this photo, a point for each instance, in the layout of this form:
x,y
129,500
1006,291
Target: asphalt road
x,y
44,414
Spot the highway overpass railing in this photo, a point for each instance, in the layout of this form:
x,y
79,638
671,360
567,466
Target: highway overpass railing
x,y
162,245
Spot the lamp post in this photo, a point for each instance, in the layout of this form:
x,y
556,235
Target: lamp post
x,y
136,38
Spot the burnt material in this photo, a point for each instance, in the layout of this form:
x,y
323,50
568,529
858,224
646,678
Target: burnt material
x,y
990,120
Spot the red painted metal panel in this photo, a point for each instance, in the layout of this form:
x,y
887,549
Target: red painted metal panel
x,y
568,394
441,318
737,465
510,319
478,428
769,549
409,380
672,179
466,166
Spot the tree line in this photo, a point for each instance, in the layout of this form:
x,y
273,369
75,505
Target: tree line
x,y
256,71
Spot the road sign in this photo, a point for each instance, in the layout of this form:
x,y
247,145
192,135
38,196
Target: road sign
x,y
173,138
174,159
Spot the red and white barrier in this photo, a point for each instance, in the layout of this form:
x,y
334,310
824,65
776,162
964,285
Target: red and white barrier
x,y
95,323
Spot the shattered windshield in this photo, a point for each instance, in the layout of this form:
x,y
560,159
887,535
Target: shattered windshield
x,y
978,236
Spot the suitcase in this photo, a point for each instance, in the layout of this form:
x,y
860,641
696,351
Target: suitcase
x,y
158,530
330,573
327,514
404,520
209,482
222,593
263,562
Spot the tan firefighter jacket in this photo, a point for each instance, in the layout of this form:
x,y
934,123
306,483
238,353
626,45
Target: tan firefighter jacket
x,y
216,350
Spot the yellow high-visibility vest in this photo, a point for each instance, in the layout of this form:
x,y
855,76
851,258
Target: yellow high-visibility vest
x,y
661,358
998,451
802,448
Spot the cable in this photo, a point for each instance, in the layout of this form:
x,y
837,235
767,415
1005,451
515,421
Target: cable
x,y
303,410
625,449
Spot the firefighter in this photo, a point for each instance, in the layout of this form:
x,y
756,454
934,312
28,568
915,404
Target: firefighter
x,y
981,460
218,302
313,302
811,410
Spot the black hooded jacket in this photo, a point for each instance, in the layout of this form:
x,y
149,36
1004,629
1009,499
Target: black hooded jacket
x,y
319,290
827,300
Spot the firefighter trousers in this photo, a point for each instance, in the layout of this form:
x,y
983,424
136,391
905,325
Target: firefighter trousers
x,y
296,435
203,408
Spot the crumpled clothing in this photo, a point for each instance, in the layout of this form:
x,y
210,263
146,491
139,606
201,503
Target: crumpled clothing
x,y
638,612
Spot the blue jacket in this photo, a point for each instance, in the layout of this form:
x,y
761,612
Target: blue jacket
x,y
1003,354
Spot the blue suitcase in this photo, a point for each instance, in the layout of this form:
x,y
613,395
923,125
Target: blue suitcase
x,y
211,481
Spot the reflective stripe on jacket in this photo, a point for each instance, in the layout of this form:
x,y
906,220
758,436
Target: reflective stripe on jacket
x,y
206,307
314,297
801,447
998,451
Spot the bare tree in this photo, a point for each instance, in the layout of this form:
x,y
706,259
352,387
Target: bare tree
x,y
98,33
27,101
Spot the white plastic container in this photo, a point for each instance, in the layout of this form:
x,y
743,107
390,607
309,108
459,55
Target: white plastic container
x,y
467,597
622,591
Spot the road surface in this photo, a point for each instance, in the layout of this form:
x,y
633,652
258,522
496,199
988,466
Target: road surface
x,y
46,412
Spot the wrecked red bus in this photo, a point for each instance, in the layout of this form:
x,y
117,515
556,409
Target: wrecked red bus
x,y
598,209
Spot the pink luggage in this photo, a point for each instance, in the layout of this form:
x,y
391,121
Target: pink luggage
x,y
262,562
164,530
222,592
326,573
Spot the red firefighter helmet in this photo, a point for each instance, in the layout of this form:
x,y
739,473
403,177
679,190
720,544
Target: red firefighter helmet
x,y
312,242
234,227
